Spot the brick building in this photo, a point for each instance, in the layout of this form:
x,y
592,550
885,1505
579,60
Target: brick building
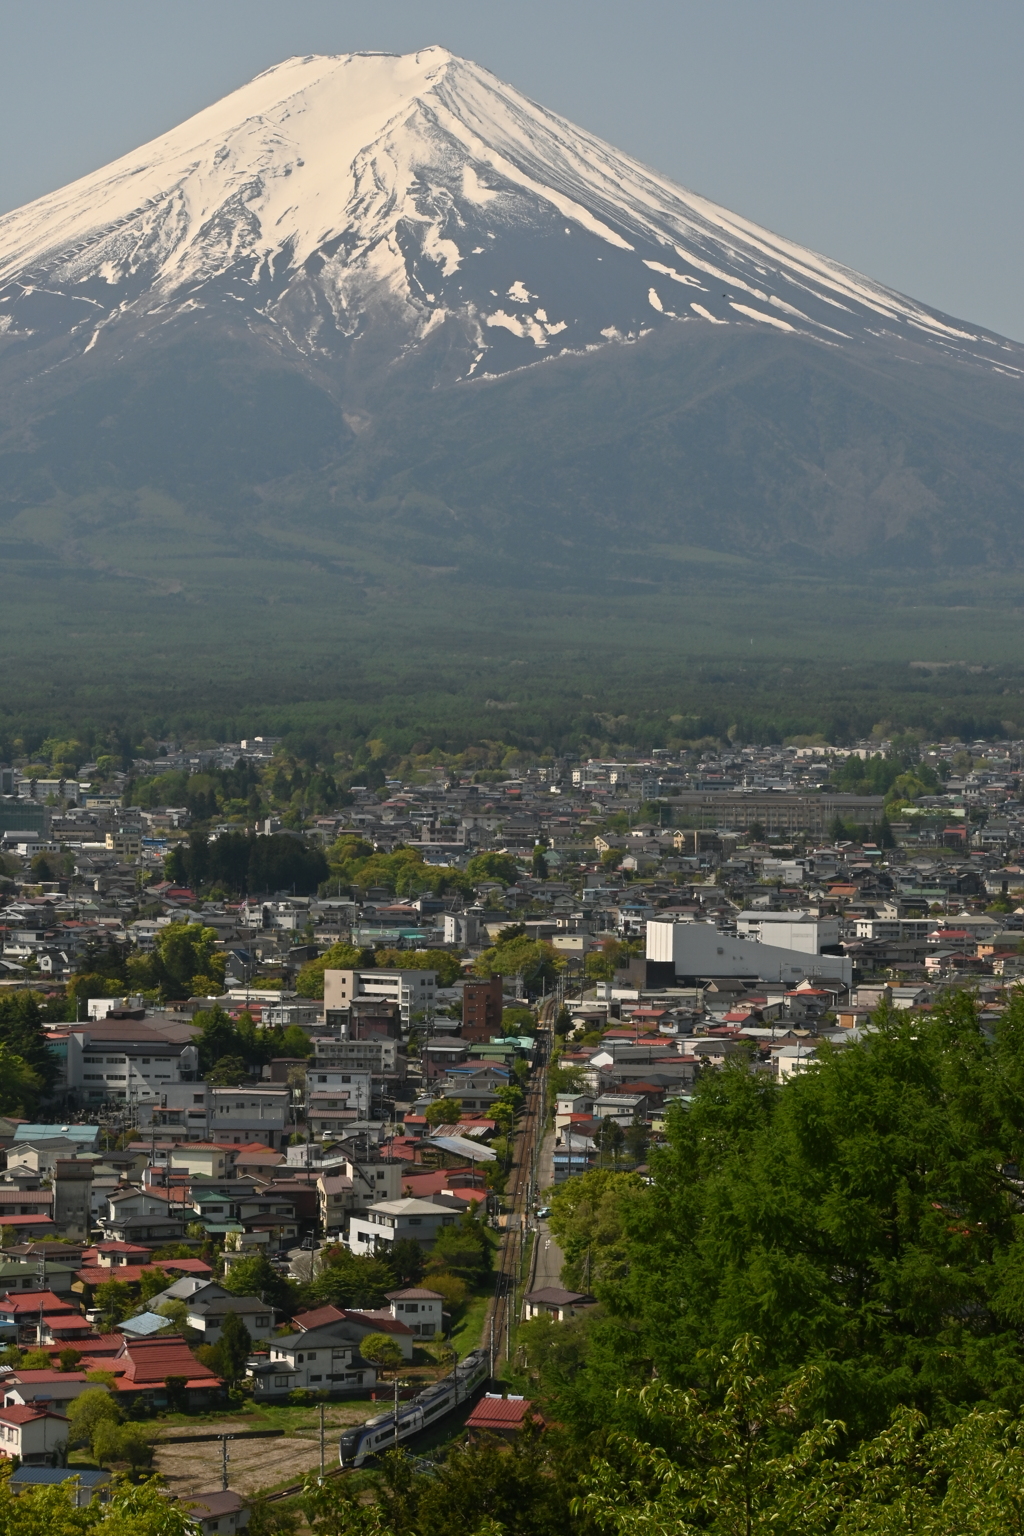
x,y
481,1009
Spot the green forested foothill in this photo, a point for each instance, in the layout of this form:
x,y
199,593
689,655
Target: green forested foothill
x,y
867,1218
631,682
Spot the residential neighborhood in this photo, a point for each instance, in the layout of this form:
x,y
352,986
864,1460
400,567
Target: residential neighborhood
x,y
471,994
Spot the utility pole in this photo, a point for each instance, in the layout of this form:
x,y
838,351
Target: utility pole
x,y
396,1410
493,1310
224,1463
321,1442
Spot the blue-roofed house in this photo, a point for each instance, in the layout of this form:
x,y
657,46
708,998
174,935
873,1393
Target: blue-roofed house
x,y
85,1137
87,1484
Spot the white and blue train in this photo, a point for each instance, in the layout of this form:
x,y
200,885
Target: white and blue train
x,y
420,1412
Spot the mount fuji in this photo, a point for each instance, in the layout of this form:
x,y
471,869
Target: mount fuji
x,y
368,203
378,341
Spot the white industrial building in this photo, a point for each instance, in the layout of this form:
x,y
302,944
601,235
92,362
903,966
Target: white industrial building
x,y
693,950
789,930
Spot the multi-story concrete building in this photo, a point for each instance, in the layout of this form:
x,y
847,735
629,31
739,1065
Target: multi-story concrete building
x,y
341,1083
481,1009
414,991
197,1112
134,1059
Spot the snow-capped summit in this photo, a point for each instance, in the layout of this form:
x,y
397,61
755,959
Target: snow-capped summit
x,y
338,198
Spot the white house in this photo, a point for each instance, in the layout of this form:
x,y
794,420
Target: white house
x,y
36,1436
791,1060
389,1221
789,930
206,1314
323,1359
213,1513
421,1310
554,1302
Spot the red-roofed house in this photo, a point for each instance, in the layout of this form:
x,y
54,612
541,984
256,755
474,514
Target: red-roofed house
x,y
143,1367
96,1351
436,1181
27,1227
317,1318
37,1437
22,1312
114,1255
364,1323
500,1415
384,1322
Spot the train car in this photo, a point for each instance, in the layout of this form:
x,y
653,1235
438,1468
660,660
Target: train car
x,y
383,1433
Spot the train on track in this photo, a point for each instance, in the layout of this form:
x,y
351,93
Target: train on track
x,y
420,1412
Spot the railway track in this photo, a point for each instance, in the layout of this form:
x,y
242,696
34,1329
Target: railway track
x,y
497,1332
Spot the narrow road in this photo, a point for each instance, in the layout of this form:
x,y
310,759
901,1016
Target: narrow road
x,y
548,1265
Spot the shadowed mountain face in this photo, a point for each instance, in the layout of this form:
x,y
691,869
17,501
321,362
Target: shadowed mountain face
x,y
385,320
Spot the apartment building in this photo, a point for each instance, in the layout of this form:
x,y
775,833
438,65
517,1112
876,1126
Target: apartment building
x,y
134,1059
415,992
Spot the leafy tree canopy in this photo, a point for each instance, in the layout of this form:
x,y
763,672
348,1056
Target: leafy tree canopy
x,y
863,1219
493,866
347,1280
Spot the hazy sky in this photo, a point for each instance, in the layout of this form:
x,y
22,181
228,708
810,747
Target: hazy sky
x,y
887,135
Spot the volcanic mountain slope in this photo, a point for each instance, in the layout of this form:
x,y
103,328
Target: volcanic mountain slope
x,y
334,195
311,316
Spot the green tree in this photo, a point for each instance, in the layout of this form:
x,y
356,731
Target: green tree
x,y
134,1509
228,1072
19,1085
256,1276
613,955
87,1412
218,1037
588,1221
637,1139
461,1250
381,1351
443,1112
406,1260
493,866
21,1031
536,961
609,1139
447,966
114,1299
738,1461
340,957
487,1488
858,1219
36,1360
233,1348
113,1442
345,1280
452,1288
518,1021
